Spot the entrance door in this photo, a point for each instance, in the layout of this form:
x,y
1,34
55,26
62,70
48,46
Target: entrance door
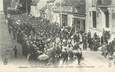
x,y
82,25
107,18
79,24
94,19
64,20
76,24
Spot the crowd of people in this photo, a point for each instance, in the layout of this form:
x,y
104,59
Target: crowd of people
x,y
108,47
49,43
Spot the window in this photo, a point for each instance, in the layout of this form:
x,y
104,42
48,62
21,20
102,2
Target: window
x,y
94,19
64,20
107,18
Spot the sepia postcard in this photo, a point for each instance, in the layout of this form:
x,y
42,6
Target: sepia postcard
x,y
57,36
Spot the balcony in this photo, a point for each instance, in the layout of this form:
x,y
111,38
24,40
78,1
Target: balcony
x,y
104,3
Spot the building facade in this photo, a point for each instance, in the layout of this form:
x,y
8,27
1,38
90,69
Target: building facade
x,y
67,13
100,16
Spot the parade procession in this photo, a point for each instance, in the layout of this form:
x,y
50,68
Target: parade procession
x,y
53,32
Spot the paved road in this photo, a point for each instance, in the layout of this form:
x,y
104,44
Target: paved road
x,y
93,62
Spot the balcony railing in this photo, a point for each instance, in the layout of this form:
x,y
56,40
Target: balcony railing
x,y
104,2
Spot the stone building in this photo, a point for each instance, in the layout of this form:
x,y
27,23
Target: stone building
x,y
67,13
100,15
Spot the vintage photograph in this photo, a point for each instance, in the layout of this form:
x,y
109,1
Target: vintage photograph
x,y
57,36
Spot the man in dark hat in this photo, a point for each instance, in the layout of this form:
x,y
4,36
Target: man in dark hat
x,y
65,56
15,52
26,6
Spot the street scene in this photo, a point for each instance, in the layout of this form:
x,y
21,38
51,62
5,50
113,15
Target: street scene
x,y
61,34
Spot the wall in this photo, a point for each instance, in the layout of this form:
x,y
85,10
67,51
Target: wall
x,y
113,20
56,18
70,20
89,18
101,21
89,10
113,17
1,5
113,2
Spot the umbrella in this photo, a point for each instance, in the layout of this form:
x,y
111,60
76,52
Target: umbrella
x,y
43,57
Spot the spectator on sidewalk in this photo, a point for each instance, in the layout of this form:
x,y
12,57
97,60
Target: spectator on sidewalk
x,y
15,52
